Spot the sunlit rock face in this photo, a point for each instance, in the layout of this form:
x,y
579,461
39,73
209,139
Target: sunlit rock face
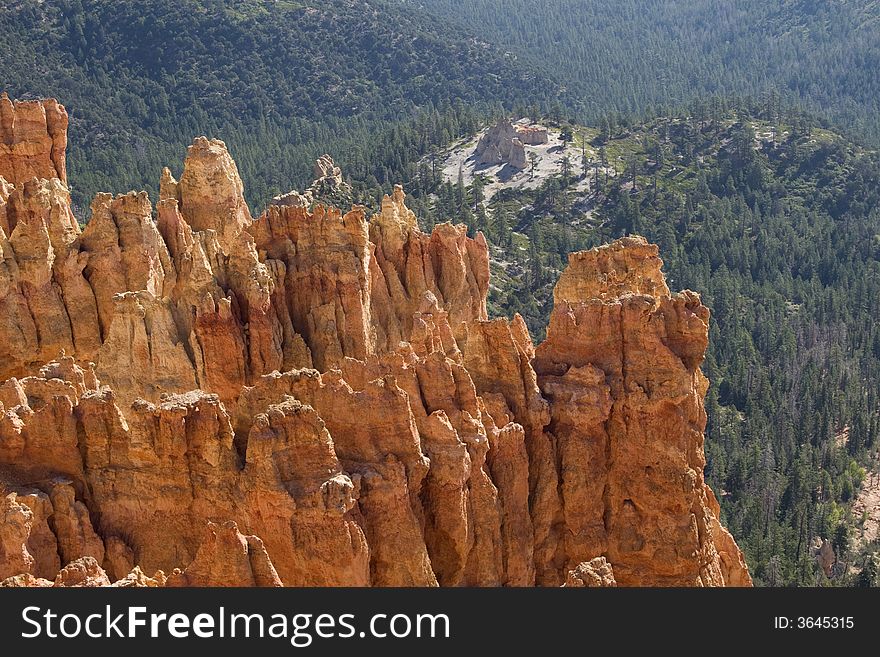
x,y
317,397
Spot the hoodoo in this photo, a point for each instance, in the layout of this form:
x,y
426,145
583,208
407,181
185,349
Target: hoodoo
x,y
317,397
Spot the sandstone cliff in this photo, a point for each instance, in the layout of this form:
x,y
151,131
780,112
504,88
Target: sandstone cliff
x,y
317,397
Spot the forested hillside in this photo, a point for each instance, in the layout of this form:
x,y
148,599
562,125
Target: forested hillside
x,y
638,57
379,83
777,224
281,82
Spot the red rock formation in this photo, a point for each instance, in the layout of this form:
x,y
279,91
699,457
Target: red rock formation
x,y
498,355
408,263
84,572
137,579
14,532
429,445
25,579
41,541
626,408
125,251
211,193
594,573
33,140
228,558
40,276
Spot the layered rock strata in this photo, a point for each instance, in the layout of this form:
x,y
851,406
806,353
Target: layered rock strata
x,y
317,397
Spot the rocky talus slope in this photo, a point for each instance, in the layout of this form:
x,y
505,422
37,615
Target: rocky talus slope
x,y
315,397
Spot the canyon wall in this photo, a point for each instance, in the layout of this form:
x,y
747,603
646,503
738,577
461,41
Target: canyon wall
x,y
317,397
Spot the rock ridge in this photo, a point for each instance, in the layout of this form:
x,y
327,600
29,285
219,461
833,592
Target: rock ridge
x,y
315,397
